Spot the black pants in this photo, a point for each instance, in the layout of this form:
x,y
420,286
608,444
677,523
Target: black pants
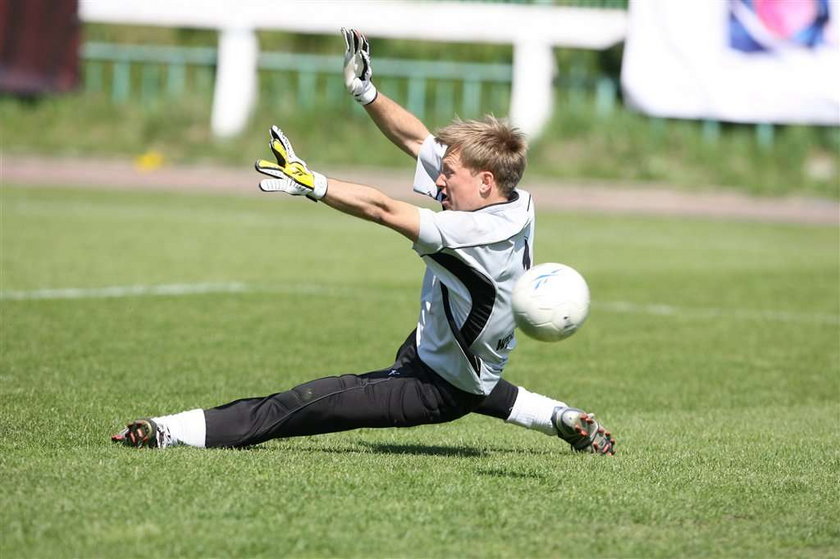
x,y
406,394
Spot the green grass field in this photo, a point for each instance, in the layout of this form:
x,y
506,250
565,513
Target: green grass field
x,y
712,352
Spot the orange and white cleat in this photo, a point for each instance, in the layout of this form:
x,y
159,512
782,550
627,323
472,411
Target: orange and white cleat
x,y
582,431
143,433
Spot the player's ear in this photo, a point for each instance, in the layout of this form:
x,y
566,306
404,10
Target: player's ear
x,y
488,183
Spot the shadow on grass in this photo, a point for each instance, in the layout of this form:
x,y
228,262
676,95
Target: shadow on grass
x,y
383,448
408,449
498,472
424,450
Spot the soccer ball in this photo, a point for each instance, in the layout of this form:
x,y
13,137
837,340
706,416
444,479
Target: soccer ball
x,y
550,302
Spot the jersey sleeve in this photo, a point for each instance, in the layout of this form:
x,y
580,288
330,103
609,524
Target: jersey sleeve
x,y
458,229
429,240
428,167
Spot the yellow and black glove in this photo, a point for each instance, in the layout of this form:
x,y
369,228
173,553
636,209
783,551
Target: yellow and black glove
x,y
290,174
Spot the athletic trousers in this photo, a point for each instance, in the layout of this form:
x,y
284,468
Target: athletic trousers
x,y
406,394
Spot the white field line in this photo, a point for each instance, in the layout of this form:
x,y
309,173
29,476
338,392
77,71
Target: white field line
x,y
711,313
180,289
124,291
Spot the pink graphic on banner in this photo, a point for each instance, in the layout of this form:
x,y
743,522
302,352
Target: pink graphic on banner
x,y
770,25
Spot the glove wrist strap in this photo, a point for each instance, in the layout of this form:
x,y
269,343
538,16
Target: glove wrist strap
x,y
367,96
319,188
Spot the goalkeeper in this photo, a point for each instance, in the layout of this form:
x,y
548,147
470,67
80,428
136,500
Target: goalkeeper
x,y
475,250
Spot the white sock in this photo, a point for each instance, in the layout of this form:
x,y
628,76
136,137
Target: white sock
x,y
533,411
187,427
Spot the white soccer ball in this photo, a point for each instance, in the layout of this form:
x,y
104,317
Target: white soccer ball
x,y
550,302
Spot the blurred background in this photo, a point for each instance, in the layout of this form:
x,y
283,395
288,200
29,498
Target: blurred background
x,y
726,94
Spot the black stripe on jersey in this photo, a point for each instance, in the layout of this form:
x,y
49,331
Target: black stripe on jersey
x,y
459,335
483,294
526,257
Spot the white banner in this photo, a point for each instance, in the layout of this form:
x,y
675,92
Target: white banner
x,y
774,61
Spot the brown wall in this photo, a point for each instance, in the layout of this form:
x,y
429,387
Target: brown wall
x,y
39,46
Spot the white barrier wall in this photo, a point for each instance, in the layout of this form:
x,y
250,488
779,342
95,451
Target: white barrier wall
x,y
532,30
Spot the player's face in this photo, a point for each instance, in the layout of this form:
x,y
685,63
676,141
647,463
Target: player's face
x,y
460,186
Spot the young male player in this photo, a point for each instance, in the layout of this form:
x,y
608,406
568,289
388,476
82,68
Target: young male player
x,y
511,403
474,252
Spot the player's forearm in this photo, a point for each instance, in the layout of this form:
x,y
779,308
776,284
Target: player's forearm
x,y
370,204
400,126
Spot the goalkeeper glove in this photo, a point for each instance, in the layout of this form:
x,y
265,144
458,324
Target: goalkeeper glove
x,y
290,174
357,70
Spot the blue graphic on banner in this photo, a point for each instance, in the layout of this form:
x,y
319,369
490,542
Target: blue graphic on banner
x,y
771,25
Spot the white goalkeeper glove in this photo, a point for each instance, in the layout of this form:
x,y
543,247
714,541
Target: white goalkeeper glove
x,y
357,69
290,174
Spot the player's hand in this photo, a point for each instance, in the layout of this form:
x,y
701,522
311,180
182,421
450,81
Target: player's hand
x,y
357,69
290,174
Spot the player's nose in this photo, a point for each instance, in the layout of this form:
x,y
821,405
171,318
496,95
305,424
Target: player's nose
x,y
441,181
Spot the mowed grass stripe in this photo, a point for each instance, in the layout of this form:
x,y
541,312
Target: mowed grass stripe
x,y
174,290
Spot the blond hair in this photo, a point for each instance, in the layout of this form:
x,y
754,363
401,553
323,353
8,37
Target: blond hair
x,y
488,144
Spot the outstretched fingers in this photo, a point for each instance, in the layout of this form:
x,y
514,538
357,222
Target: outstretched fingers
x,y
270,168
354,41
346,33
275,185
281,146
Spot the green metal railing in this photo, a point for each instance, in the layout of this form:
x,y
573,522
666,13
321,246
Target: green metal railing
x,y
424,86
429,89
152,73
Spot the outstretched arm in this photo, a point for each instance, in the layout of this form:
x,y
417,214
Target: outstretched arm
x,y
370,204
400,126
291,175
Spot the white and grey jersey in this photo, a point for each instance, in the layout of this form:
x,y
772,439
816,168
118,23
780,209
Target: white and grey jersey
x,y
466,330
